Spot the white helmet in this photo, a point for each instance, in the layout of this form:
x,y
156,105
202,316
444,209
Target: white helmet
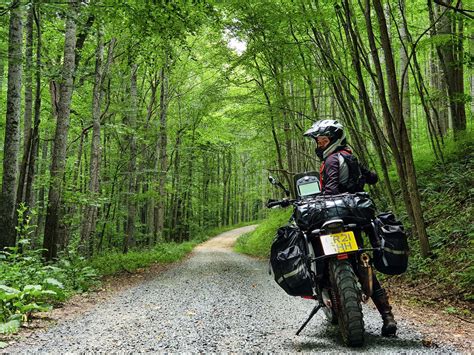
x,y
331,129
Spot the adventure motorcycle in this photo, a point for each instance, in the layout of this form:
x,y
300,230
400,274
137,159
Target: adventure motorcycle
x,y
320,254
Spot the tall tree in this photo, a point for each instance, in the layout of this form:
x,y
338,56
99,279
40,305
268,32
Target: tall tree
x,y
451,55
53,212
408,166
91,210
403,66
129,239
28,115
162,161
12,128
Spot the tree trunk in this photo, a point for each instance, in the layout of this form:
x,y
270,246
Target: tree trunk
x,y
28,80
2,76
91,210
268,102
399,123
27,129
132,179
368,108
51,233
440,102
175,199
12,130
41,194
450,53
163,156
28,107
34,138
406,107
423,93
389,121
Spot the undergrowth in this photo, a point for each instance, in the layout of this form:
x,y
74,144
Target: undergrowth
x,y
28,285
447,192
113,263
258,242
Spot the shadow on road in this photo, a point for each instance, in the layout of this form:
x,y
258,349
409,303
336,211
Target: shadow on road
x,y
329,339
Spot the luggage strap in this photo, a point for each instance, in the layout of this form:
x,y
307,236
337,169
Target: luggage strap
x,y
390,250
290,274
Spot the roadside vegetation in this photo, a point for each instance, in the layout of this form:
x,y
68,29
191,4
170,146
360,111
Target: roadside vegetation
x,y
447,191
28,285
258,242
115,262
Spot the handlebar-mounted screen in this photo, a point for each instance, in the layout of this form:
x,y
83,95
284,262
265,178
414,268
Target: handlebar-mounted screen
x,y
307,184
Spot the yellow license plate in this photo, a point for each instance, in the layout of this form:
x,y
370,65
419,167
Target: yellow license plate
x,y
339,243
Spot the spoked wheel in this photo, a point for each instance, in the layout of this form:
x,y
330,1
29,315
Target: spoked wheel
x,y
349,309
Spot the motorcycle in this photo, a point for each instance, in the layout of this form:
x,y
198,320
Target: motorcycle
x,y
324,254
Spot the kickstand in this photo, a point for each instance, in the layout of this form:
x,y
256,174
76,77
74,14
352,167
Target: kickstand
x,y
311,315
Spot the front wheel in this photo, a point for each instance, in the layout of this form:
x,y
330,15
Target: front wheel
x,y
348,307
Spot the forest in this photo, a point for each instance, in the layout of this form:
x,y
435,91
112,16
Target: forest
x,y
129,124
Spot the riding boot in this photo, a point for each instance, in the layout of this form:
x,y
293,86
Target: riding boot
x,y
380,299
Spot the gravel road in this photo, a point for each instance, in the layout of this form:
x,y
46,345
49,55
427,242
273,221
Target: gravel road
x,y
214,301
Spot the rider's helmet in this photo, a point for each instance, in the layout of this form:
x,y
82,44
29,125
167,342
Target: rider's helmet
x,y
331,129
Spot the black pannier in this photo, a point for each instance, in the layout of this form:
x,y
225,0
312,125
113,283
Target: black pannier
x,y
352,208
392,259
289,262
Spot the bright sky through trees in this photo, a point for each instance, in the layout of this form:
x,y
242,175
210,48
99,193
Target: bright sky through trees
x,y
234,43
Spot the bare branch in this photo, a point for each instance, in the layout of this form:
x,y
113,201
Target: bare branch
x,y
456,8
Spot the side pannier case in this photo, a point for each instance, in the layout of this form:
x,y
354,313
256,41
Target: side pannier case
x,y
392,258
289,262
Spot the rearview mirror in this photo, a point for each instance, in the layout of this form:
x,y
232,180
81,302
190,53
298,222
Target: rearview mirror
x,y
272,180
275,182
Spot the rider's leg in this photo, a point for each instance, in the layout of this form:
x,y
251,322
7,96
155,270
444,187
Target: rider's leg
x,y
380,299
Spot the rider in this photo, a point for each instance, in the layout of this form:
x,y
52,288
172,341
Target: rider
x,y
332,150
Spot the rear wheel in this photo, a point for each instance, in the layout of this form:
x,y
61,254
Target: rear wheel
x,y
348,307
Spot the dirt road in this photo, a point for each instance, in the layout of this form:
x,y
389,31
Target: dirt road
x,y
215,301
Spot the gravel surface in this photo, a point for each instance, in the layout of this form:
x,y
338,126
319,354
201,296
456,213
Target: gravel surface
x,y
215,301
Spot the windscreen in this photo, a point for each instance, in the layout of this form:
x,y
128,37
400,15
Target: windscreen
x,y
309,189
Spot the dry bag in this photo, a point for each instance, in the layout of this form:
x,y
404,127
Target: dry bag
x,y
392,258
289,261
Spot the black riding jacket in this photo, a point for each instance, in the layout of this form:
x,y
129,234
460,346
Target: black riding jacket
x,y
334,173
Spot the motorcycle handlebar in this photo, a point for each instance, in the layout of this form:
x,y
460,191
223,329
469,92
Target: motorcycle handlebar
x,y
282,203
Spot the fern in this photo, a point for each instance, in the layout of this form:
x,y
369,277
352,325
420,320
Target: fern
x,y
10,327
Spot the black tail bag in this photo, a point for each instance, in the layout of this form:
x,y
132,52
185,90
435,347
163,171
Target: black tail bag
x,y
289,262
392,258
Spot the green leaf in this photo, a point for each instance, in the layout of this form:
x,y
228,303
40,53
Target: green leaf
x,y
32,291
8,293
3,345
32,288
10,327
49,293
54,282
7,289
31,307
16,316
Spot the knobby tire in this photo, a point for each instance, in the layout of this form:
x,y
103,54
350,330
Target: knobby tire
x,y
349,309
